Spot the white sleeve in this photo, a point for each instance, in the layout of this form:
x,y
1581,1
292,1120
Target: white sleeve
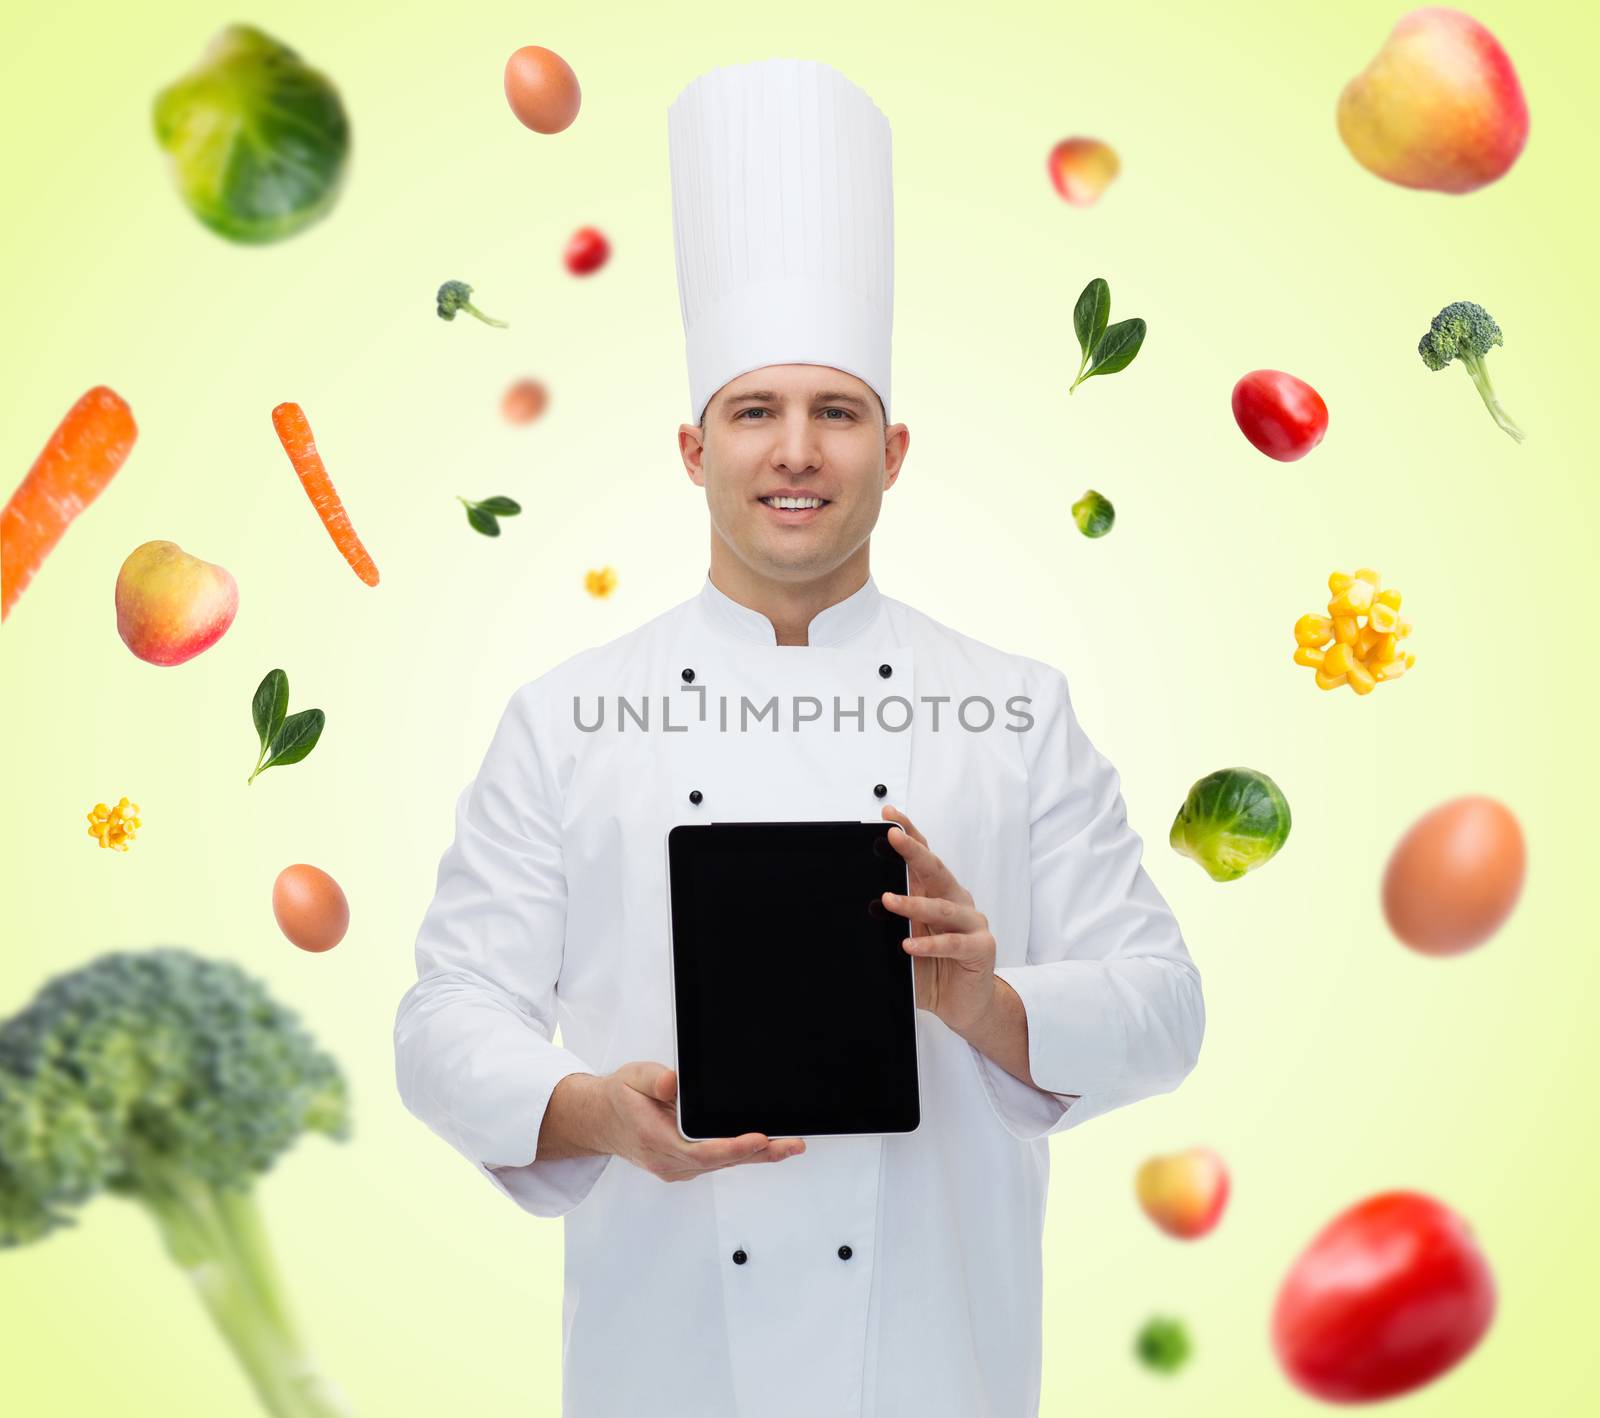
x,y
473,1053
1113,1000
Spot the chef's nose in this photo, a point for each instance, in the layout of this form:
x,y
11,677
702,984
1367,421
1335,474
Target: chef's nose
x,y
796,448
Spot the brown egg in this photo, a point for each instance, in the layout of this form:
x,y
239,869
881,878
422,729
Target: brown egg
x,y
310,907
1454,877
524,401
542,89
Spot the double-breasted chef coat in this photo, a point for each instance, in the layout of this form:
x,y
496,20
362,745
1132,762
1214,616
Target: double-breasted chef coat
x,y
892,1276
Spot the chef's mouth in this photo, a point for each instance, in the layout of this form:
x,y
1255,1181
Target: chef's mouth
x,y
795,504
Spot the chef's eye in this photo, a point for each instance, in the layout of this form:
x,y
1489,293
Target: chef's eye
x,y
754,409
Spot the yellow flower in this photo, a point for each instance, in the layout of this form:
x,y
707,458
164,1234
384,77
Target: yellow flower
x,y
600,583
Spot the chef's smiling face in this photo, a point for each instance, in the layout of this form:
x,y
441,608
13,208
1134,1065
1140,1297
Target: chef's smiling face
x,y
794,460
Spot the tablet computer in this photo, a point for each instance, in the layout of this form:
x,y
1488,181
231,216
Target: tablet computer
x,y
794,1001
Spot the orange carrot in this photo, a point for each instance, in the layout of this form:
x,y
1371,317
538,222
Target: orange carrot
x,y
295,435
83,454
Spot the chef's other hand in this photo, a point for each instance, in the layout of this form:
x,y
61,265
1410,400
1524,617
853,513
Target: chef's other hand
x,y
952,952
644,1129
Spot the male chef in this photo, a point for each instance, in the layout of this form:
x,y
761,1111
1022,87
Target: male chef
x,y
885,1276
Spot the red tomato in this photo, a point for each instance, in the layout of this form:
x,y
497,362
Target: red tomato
x,y
1283,416
1387,1297
587,251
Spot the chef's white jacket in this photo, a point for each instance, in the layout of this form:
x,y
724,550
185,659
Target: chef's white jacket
x,y
882,1277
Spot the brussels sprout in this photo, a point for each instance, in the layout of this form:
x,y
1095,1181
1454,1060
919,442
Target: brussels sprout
x,y
258,140
1232,822
1093,514
1163,1344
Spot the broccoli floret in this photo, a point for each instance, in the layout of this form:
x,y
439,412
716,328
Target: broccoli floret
x,y
1467,332
457,295
175,1082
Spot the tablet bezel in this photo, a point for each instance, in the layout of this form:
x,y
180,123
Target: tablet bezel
x,y
697,1124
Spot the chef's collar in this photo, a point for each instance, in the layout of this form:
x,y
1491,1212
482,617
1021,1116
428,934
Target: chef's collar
x,y
832,625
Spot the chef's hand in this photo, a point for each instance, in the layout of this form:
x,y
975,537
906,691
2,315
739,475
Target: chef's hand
x,y
950,945
643,1129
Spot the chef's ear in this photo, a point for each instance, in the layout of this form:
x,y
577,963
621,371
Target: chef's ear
x,y
896,439
692,449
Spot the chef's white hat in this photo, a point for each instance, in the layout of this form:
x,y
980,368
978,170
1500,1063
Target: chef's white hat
x,y
783,221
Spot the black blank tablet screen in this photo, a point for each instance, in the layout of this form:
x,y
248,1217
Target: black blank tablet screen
x,y
794,1002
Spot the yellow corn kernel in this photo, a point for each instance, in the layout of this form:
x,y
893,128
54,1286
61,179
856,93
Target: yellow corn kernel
x,y
1313,630
1382,618
1366,628
1355,599
1339,660
114,827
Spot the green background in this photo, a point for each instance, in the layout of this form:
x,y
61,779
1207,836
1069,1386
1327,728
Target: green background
x,y
1336,1063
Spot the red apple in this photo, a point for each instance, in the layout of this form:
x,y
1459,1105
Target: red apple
x,y
1439,107
1081,169
170,605
1184,1193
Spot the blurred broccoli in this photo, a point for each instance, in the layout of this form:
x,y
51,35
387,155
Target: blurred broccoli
x,y
173,1081
457,295
1467,332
